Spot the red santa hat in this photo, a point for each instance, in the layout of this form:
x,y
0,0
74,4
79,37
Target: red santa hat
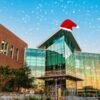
x,y
68,25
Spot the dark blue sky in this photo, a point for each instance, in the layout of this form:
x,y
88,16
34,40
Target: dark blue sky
x,y
36,20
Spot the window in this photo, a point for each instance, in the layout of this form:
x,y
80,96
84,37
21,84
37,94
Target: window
x,y
12,51
17,54
4,47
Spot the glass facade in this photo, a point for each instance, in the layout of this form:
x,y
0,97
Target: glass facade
x,y
55,55
88,66
35,59
61,55
58,50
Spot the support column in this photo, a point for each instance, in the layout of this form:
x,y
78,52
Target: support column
x,y
76,88
56,89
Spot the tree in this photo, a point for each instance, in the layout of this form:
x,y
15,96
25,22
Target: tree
x,y
4,76
22,78
15,79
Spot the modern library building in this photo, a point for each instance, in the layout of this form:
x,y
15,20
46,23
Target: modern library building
x,y
64,68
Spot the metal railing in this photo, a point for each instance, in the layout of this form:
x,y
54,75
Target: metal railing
x,y
55,72
64,72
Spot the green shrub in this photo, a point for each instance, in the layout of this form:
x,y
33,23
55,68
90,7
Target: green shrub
x,y
16,99
48,98
32,98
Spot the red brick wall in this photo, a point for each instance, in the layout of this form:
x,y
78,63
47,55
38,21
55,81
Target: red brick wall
x,y
6,60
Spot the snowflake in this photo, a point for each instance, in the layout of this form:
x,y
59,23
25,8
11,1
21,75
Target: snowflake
x,y
68,2
37,29
40,5
98,19
61,0
32,11
0,10
11,3
84,2
26,18
79,10
73,11
23,11
45,12
55,2
96,6
51,10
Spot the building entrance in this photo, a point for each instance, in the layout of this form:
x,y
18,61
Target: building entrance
x,y
60,86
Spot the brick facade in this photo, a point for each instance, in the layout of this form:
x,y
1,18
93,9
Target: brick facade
x,y
11,39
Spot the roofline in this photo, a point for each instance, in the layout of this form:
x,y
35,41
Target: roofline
x,y
48,38
35,48
13,34
86,52
76,41
55,34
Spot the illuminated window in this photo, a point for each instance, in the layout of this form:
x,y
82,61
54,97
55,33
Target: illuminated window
x,y
4,47
12,51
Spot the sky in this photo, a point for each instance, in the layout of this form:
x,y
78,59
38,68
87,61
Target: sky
x,y
35,20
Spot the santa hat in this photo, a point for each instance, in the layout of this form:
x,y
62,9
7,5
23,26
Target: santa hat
x,y
68,25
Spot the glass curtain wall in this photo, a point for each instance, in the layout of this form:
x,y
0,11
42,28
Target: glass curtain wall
x,y
88,66
55,64
55,56
70,67
35,59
